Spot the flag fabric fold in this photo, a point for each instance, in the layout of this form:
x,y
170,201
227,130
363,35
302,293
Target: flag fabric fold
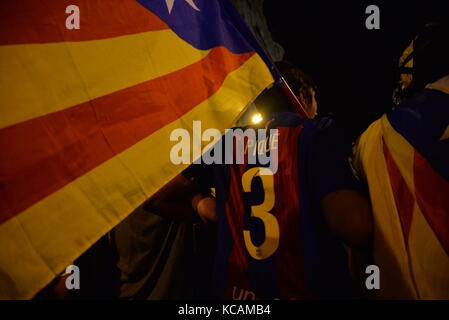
x,y
87,116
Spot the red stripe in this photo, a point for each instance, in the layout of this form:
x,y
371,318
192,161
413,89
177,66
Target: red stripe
x,y
402,195
42,155
432,195
238,258
289,258
44,21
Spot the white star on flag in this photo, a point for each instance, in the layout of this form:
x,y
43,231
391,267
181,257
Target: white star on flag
x,y
170,4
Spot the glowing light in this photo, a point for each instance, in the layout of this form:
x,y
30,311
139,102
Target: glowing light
x,y
257,118
170,4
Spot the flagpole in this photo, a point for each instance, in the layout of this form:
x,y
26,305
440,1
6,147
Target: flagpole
x,y
293,98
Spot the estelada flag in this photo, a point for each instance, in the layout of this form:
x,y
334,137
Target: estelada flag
x,y
404,157
86,115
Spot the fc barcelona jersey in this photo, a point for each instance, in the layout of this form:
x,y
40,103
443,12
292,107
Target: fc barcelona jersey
x,y
273,242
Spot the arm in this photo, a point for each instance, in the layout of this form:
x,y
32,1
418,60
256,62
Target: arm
x,y
346,210
174,199
205,207
348,214
183,200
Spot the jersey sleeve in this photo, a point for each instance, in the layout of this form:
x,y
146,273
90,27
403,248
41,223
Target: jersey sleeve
x,y
331,169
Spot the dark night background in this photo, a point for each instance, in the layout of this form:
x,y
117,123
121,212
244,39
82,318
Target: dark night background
x,y
354,67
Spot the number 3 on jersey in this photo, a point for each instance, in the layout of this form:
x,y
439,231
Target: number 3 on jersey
x,y
262,211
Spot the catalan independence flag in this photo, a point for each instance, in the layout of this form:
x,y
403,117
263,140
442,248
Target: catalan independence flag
x,y
86,115
405,159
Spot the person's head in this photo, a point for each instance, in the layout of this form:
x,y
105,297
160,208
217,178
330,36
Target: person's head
x,y
425,60
271,101
274,100
302,85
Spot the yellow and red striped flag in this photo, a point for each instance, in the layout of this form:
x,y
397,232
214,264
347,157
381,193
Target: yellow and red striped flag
x,y
86,115
404,157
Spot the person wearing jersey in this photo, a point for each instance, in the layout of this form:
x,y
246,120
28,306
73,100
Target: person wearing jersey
x,y
281,234
404,159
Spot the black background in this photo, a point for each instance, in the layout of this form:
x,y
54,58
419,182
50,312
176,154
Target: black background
x,y
353,67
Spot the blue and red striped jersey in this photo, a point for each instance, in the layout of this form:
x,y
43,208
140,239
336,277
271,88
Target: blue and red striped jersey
x,y
272,239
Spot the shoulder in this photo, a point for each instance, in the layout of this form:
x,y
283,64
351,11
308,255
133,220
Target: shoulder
x,y
289,119
326,136
324,124
326,128
286,119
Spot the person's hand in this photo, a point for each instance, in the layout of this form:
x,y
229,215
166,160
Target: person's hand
x,y
206,209
55,290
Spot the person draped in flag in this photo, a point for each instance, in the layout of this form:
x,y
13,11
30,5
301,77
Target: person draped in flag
x,y
404,159
281,234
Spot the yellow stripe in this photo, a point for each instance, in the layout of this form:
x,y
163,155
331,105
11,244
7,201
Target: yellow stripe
x,y
428,258
32,252
401,151
390,253
38,79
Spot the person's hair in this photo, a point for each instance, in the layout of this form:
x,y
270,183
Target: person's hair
x,y
424,61
297,79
